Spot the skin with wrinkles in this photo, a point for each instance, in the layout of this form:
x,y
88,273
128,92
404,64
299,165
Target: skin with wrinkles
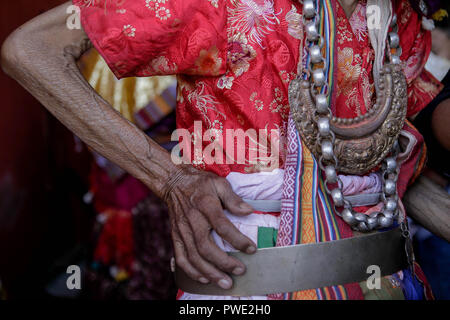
x,y
41,55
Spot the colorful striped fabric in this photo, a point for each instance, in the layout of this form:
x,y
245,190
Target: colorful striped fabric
x,y
307,215
157,109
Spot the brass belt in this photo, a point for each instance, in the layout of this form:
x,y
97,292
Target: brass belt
x,y
309,266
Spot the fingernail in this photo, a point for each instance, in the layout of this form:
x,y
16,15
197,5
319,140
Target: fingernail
x,y
203,280
238,271
224,284
245,206
251,250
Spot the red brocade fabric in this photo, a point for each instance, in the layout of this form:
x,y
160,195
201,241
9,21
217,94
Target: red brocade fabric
x,y
235,58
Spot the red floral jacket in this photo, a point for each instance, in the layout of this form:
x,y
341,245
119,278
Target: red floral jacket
x,y
234,59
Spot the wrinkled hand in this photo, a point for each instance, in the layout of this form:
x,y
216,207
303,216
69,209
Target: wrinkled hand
x,y
196,200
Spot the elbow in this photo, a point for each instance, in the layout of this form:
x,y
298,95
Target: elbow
x,y
15,52
10,53
7,59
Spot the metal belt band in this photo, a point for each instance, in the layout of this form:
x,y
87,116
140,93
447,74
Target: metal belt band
x,y
358,200
265,205
309,266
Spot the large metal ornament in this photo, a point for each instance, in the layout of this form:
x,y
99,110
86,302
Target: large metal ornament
x,y
363,142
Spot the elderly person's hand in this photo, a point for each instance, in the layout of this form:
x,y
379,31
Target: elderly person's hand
x,y
42,56
196,201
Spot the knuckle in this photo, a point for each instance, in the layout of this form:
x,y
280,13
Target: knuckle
x,y
207,200
192,256
182,221
221,184
226,263
181,262
190,213
201,199
206,181
214,276
190,273
177,243
195,197
203,247
223,230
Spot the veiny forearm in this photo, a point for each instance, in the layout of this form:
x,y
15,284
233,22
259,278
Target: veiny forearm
x,y
41,56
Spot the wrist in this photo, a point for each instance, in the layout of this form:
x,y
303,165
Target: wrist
x,y
172,181
175,178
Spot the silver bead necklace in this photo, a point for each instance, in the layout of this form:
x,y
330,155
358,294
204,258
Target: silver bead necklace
x,y
325,141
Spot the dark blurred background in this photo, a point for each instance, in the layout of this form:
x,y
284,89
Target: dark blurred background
x,y
43,176
61,204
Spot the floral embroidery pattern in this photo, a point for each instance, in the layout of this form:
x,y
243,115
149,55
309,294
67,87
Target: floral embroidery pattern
x,y
343,34
160,65
240,53
295,23
253,19
259,104
352,78
358,22
208,61
214,3
152,4
225,82
216,130
279,104
129,30
204,102
161,12
286,77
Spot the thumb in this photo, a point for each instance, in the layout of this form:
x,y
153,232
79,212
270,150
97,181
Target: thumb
x,y
231,201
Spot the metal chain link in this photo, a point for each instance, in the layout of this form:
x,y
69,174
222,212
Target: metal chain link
x,y
325,141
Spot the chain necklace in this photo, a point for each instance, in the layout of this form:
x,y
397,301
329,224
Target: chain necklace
x,y
352,145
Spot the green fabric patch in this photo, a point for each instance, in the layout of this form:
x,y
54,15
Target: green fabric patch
x,y
267,237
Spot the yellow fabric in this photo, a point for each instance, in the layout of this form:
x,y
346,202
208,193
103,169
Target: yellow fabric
x,y
308,231
127,95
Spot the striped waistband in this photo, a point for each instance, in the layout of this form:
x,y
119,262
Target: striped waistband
x,y
358,200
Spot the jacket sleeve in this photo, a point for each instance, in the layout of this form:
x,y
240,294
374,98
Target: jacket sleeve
x,y
157,37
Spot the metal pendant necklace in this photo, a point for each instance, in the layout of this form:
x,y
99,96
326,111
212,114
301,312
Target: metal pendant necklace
x,y
352,146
